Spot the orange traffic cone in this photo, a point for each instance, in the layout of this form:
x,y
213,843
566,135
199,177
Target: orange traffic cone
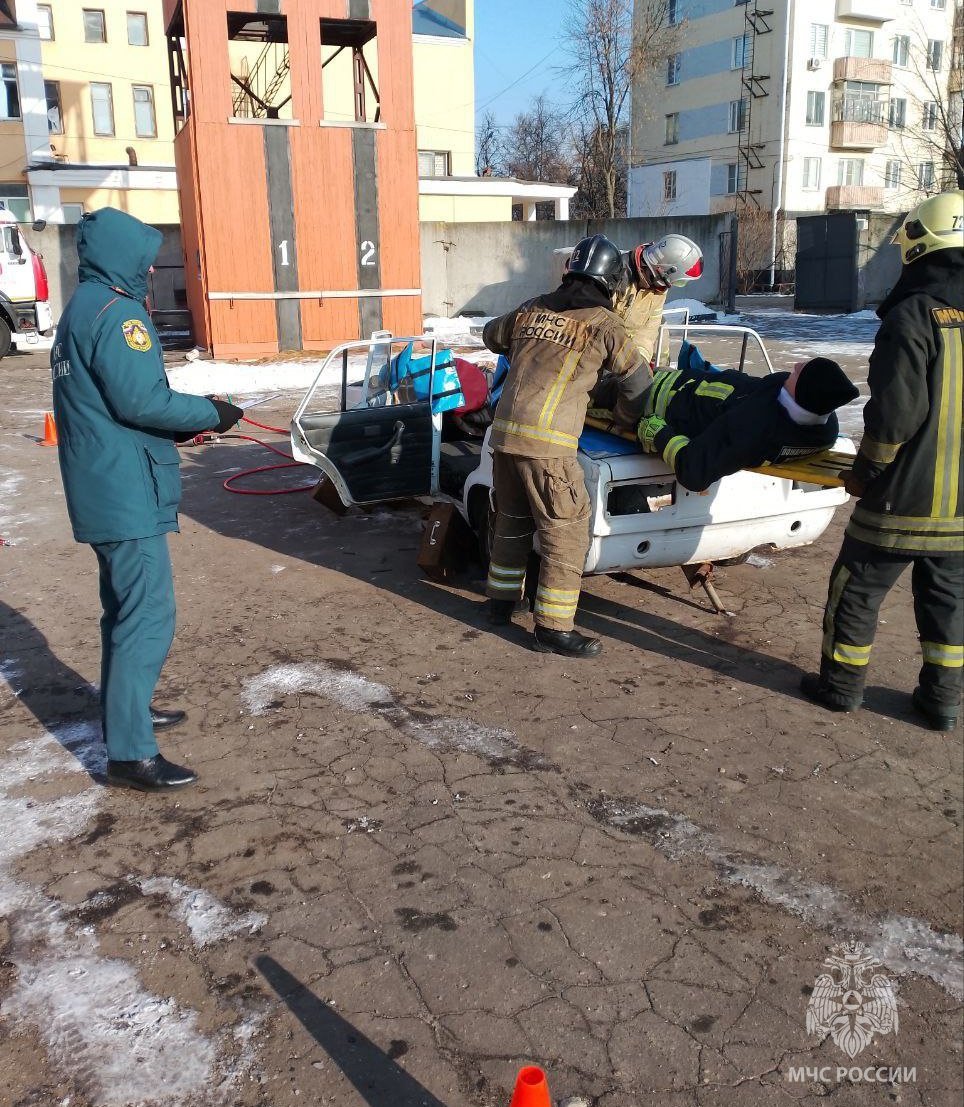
x,y
50,430
531,1089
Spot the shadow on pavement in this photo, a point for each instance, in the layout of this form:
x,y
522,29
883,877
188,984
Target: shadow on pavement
x,y
374,1075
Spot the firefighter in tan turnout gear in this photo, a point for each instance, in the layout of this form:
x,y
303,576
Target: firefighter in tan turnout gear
x,y
908,477
558,346
654,268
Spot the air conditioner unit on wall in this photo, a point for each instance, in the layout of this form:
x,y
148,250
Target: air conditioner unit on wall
x,y
814,63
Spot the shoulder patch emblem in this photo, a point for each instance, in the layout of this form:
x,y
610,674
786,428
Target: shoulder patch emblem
x,y
948,317
136,336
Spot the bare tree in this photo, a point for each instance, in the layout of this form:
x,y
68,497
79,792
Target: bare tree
x,y
488,146
535,145
932,132
609,54
592,201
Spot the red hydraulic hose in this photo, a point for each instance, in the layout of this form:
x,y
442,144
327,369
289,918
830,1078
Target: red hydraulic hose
x,y
227,485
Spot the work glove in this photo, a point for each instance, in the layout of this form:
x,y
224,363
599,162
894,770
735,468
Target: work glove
x,y
229,415
854,485
647,431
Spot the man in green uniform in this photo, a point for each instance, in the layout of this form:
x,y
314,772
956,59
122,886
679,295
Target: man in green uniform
x,y
558,345
117,423
908,477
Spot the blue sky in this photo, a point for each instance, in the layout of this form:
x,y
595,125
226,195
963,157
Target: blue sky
x,y
512,36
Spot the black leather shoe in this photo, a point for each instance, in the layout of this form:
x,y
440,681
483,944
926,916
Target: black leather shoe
x,y
500,612
815,690
567,643
152,774
164,720
937,716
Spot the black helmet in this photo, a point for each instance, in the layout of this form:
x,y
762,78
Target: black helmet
x,y
597,259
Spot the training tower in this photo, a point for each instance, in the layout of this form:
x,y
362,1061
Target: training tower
x,y
297,168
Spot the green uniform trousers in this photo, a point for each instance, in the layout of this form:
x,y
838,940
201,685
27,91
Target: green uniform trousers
x,y
862,576
548,496
136,631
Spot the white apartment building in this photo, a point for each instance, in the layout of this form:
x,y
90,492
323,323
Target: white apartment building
x,y
801,107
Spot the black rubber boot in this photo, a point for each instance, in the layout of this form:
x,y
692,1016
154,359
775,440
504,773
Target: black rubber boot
x,y
937,716
500,612
567,643
813,687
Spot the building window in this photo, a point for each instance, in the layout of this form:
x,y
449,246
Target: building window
x,y
861,102
939,5
145,123
45,22
811,174
898,113
925,175
137,29
671,134
55,115
73,213
737,121
10,95
14,198
673,65
260,67
929,115
858,44
95,29
892,174
901,50
732,178
850,171
738,49
349,64
669,185
935,54
672,12
816,108
434,163
818,40
102,107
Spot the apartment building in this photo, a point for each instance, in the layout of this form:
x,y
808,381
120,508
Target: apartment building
x,y
827,105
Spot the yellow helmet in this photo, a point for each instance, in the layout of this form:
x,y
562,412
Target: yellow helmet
x,y
935,224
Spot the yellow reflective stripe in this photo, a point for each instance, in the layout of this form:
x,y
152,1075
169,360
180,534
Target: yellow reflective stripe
x,y
837,585
504,586
938,525
714,390
656,397
673,447
954,361
948,428
666,393
559,593
557,390
894,540
506,572
948,657
882,453
557,610
851,655
526,431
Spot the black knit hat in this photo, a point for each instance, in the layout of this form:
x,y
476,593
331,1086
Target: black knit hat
x,y
823,386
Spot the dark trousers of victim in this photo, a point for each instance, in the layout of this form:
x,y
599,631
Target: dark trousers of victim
x,y
861,578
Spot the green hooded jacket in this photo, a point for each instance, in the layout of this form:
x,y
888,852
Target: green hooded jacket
x,y
117,417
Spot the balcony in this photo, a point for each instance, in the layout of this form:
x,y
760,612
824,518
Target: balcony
x,y
861,197
872,11
875,70
846,134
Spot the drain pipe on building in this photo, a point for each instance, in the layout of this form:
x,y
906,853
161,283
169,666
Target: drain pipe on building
x,y
781,151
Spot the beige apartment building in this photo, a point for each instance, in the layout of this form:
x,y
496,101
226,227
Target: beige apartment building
x,y
799,107
86,114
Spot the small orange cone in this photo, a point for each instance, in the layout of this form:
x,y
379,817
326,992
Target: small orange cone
x,y
531,1089
50,430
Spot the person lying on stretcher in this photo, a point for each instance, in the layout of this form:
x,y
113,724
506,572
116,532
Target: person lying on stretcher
x,y
708,423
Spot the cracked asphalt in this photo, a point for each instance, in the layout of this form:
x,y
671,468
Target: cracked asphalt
x,y
470,856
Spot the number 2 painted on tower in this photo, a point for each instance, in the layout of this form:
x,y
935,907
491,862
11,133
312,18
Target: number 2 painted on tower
x,y
368,253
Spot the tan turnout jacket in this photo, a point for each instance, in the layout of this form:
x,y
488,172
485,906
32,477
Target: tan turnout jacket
x,y
557,357
641,311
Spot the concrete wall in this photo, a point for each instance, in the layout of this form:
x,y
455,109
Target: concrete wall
x,y
490,268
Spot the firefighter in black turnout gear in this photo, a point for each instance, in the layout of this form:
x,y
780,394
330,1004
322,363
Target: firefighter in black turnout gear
x,y
908,477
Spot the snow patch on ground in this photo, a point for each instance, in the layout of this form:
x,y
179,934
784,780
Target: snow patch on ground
x,y
906,945
347,689
208,919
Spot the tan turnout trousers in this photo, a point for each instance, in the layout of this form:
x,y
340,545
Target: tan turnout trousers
x,y
548,496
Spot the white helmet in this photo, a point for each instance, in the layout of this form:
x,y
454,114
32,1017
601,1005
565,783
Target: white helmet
x,y
672,260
